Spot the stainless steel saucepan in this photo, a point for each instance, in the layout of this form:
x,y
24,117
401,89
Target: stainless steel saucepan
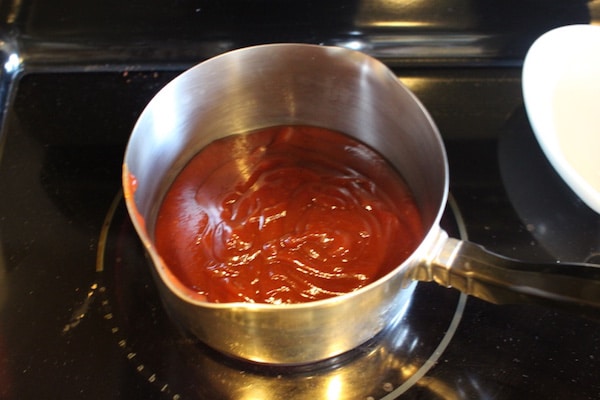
x,y
347,91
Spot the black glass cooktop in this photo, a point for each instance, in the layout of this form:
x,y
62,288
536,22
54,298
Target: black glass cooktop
x,y
80,318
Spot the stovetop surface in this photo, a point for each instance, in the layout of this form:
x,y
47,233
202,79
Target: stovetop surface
x,y
61,285
79,317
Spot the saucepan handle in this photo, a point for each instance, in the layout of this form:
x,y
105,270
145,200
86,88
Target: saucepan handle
x,y
476,271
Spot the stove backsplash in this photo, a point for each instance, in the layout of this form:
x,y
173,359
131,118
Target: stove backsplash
x,y
99,35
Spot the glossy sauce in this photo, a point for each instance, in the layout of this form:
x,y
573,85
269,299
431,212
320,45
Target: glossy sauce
x,y
285,214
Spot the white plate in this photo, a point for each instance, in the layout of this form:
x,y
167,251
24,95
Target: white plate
x,y
561,90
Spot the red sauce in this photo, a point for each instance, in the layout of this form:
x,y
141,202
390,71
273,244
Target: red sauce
x,y
285,215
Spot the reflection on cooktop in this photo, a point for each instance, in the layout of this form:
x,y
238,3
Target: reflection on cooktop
x,y
567,228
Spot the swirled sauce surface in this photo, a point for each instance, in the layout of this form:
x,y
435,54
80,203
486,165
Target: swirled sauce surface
x,y
285,214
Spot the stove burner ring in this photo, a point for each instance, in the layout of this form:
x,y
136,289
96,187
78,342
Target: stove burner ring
x,y
180,368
